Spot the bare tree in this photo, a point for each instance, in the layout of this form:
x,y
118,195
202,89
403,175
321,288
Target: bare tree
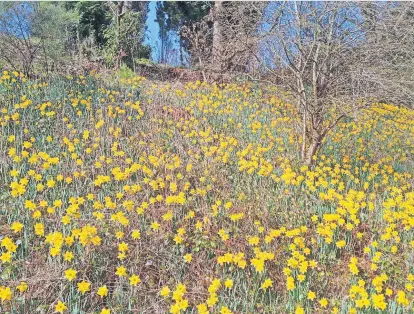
x,y
335,58
305,45
235,25
198,35
387,54
36,36
16,47
222,42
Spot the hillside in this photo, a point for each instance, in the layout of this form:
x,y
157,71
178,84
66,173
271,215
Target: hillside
x,y
132,196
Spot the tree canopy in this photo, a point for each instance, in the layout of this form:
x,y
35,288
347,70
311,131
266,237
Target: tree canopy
x,y
45,34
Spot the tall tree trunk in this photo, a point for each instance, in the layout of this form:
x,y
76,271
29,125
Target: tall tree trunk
x,y
217,36
181,52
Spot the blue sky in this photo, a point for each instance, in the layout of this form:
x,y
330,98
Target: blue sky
x,y
151,36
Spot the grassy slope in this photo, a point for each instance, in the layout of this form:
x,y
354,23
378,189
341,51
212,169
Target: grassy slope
x,y
140,176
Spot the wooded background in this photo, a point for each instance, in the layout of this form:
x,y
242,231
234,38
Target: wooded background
x,y
329,56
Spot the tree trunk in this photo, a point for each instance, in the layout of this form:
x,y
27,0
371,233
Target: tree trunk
x,y
304,134
312,150
217,36
181,52
119,13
